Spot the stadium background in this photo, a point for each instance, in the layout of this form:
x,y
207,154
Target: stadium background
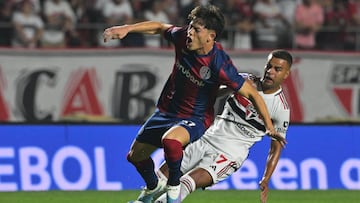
x,y
68,116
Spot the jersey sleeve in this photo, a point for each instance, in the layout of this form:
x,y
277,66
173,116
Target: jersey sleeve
x,y
172,33
229,76
281,121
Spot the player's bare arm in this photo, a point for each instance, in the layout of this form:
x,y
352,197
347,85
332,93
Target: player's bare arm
x,y
225,90
271,162
147,27
249,92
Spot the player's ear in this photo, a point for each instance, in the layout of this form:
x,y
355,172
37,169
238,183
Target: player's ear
x,y
287,74
212,36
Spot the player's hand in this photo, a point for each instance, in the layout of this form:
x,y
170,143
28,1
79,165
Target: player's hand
x,y
277,136
115,32
264,191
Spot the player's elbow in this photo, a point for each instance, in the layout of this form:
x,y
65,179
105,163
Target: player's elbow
x,y
248,91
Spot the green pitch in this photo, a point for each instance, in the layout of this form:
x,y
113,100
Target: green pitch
x,y
227,196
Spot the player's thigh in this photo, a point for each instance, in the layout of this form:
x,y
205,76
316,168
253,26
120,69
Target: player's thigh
x,y
195,128
219,166
186,130
178,133
192,155
154,128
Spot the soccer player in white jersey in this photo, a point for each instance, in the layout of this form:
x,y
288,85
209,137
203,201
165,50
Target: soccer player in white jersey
x,y
225,145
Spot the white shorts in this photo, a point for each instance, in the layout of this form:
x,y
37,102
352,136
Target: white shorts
x,y
202,155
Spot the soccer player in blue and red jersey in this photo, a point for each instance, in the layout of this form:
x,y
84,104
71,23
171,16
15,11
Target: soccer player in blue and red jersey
x,y
185,107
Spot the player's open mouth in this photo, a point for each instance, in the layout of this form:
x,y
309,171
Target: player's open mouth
x,y
188,40
267,78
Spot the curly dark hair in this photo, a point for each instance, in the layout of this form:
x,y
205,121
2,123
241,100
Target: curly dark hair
x,y
210,17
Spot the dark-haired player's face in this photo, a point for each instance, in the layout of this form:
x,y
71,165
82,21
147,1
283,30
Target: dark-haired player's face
x,y
197,36
275,72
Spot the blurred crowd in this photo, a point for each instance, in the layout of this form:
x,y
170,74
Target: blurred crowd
x,y
250,24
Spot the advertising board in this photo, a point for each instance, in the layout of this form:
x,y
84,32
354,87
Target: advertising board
x,y
93,157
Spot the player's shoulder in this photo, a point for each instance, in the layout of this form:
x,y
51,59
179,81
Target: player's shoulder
x,y
219,50
173,31
219,54
281,100
176,30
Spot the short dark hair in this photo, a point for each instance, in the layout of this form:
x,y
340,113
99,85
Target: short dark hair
x,y
210,17
283,54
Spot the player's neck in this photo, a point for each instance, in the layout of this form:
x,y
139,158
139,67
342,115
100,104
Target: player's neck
x,y
205,49
268,90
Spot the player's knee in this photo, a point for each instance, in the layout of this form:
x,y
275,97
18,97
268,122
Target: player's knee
x,y
133,158
130,158
202,178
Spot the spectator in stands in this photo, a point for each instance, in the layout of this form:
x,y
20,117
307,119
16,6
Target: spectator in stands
x,y
156,12
118,12
96,11
28,26
186,8
6,10
239,20
354,8
36,5
138,8
270,24
99,4
94,19
287,8
171,8
336,20
245,26
309,18
82,10
352,41
60,23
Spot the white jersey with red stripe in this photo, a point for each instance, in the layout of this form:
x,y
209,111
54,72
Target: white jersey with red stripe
x,y
225,145
240,126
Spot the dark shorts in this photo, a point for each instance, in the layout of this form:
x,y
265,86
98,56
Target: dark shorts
x,y
156,126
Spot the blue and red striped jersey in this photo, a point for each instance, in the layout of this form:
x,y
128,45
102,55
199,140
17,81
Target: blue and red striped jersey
x,y
190,90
